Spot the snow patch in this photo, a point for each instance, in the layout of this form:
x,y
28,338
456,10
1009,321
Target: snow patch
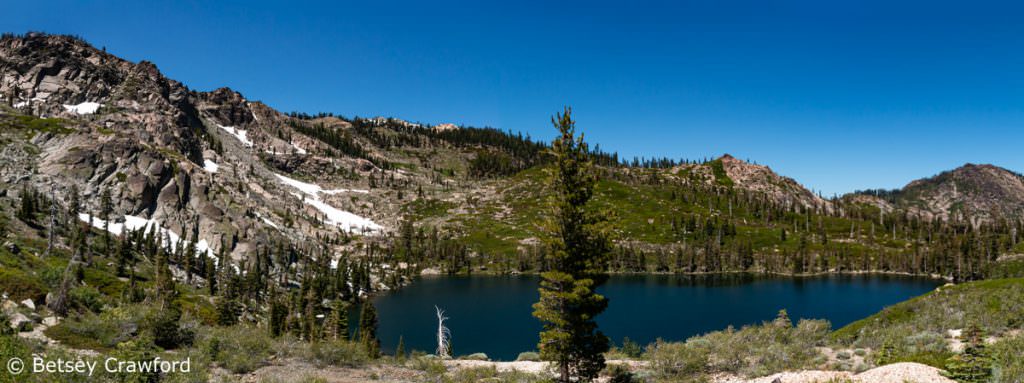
x,y
83,108
210,166
338,191
337,217
343,219
307,188
313,189
168,237
298,149
268,221
241,135
252,112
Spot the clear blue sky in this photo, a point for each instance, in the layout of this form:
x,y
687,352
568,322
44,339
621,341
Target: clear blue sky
x,y
839,95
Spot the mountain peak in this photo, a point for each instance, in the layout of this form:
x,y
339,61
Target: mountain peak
x,y
729,158
981,191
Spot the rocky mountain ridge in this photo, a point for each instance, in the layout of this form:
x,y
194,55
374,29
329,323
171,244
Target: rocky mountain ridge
x,y
972,193
237,174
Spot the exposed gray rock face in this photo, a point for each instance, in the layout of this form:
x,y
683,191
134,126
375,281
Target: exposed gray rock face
x,y
728,170
202,164
971,192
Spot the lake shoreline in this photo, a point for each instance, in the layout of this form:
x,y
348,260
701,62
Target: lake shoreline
x,y
949,279
646,306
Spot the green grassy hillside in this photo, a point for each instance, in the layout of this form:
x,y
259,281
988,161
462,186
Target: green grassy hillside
x,y
667,223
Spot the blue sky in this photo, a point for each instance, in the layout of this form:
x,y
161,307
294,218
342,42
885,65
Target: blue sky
x,y
839,95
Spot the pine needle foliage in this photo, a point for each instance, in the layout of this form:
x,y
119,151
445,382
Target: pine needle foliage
x,y
579,248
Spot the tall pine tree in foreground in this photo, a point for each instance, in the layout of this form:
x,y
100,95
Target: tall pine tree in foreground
x,y
579,251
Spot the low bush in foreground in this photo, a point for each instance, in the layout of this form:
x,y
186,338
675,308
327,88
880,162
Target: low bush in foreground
x,y
916,330
1008,360
529,356
490,375
750,351
338,353
239,349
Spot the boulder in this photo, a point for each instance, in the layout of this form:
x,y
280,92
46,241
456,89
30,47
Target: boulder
x,y
28,303
12,247
20,322
9,307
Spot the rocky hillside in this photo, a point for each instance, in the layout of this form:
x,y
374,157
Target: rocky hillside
x,y
209,165
730,171
229,171
970,193
237,175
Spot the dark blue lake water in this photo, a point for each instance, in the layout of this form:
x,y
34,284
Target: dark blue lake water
x,y
492,314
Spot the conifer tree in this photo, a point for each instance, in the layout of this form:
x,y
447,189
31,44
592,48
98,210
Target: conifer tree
x,y
278,317
227,311
27,209
400,349
368,329
124,255
339,321
106,209
578,255
51,236
973,365
163,286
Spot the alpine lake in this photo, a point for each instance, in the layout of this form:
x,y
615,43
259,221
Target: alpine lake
x,y
493,314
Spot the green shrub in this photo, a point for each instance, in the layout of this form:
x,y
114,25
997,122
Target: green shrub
x,y
676,359
138,350
94,332
85,298
1007,363
338,353
5,325
166,330
475,356
240,349
994,305
12,347
751,351
630,348
913,331
20,285
492,375
529,356
429,364
618,373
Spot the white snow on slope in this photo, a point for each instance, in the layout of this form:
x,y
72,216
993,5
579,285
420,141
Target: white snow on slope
x,y
343,219
252,112
210,166
307,188
134,223
338,191
241,135
298,149
313,190
268,221
83,108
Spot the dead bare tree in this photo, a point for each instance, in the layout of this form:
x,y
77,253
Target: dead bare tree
x,y
443,335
